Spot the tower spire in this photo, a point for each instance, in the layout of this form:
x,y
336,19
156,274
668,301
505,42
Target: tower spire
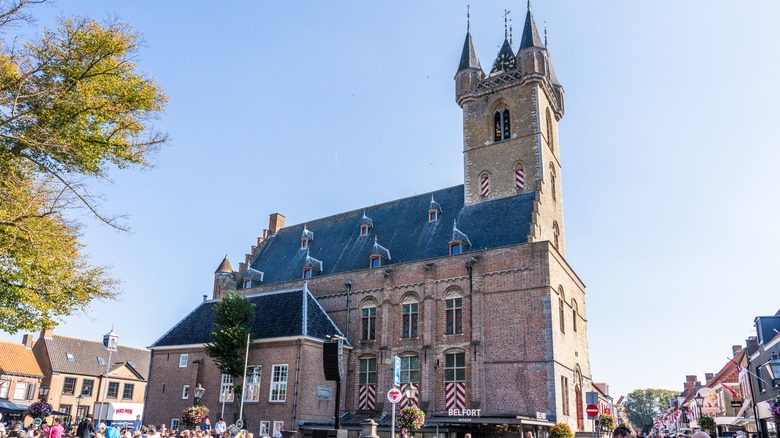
x,y
468,18
506,30
545,34
530,33
510,31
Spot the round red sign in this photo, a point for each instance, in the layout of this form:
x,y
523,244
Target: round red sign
x,y
394,395
592,410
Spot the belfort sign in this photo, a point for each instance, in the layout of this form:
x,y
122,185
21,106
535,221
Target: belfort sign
x,y
464,412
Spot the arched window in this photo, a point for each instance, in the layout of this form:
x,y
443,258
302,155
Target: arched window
x,y
410,312
556,234
502,125
368,319
552,181
561,300
574,315
550,135
484,184
519,176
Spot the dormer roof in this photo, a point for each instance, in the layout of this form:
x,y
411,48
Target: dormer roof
x,y
311,262
434,206
307,234
366,221
458,235
379,250
254,275
224,267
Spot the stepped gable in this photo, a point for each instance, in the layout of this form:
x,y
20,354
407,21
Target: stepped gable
x,y
403,229
278,314
86,353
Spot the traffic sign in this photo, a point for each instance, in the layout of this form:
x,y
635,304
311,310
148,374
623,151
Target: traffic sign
x,y
396,371
239,423
592,410
38,421
394,395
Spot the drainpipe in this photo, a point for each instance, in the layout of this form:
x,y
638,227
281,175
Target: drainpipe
x,y
753,399
295,391
471,308
348,284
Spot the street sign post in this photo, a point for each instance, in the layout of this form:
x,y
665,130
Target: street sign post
x,y
394,396
592,411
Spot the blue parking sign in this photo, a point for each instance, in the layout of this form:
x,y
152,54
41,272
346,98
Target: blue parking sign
x,y
396,370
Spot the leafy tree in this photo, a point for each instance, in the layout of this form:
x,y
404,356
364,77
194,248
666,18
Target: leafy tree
x,y
228,340
708,424
72,108
643,405
561,430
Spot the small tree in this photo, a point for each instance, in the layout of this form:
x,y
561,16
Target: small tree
x,y
707,423
561,430
229,338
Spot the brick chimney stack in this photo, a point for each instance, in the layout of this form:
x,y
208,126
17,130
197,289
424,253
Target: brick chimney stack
x,y
708,377
275,223
736,350
690,381
27,340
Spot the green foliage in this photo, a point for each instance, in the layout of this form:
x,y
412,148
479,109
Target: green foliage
x,y
561,430
194,415
72,106
412,418
707,423
228,340
643,405
607,422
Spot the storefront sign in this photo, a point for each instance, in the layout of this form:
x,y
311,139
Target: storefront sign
x,y
541,415
464,412
324,392
736,404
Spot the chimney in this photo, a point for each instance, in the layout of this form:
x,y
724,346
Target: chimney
x,y
47,333
275,223
27,340
736,350
689,382
708,377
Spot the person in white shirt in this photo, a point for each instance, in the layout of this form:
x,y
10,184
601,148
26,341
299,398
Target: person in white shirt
x,y
220,428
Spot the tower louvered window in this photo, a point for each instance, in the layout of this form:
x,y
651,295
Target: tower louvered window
x,y
502,125
550,135
484,185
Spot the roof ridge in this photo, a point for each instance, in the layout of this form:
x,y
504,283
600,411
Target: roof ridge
x,y
124,347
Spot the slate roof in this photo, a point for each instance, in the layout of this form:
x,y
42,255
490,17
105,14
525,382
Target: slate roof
x,y
530,33
505,60
18,359
86,355
403,228
469,58
278,314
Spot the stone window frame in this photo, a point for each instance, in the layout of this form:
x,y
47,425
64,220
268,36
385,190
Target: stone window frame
x,y
561,313
410,328
365,375
574,313
556,234
550,132
452,316
455,367
368,319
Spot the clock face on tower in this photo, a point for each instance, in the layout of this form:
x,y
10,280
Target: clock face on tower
x,y
505,60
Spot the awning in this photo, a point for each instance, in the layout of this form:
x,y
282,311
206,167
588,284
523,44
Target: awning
x,y
124,411
9,407
724,421
741,414
472,420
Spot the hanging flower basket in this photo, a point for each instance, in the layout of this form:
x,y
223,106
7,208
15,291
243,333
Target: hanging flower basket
x,y
774,409
194,415
412,418
39,409
607,422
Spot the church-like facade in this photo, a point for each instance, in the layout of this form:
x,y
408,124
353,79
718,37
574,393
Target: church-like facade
x,y
467,285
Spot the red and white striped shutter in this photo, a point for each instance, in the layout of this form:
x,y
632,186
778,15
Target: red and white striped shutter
x,y
367,397
485,186
519,178
455,395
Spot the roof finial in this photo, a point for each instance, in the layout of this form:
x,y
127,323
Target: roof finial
x,y
506,29
529,5
545,34
468,18
510,31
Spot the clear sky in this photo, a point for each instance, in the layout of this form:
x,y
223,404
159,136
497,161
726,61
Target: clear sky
x,y
668,146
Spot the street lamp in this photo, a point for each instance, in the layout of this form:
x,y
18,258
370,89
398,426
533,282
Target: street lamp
x,y
78,406
199,390
773,368
110,341
700,403
43,392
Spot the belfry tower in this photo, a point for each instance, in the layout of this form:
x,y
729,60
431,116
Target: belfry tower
x,y
510,129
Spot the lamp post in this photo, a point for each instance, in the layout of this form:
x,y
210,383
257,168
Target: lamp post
x,y
700,403
110,341
78,406
43,392
199,390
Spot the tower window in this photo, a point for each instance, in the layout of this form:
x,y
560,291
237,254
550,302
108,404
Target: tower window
x,y
307,272
484,185
519,176
364,230
574,315
552,181
556,234
550,136
502,126
455,248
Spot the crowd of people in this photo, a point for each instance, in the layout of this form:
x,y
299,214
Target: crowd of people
x,y
89,428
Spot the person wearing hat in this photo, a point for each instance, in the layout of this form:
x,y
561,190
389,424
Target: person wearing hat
x,y
85,428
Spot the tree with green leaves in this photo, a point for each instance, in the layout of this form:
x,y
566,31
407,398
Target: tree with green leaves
x,y
73,107
643,405
227,348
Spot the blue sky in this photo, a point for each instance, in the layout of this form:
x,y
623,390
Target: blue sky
x,y
668,150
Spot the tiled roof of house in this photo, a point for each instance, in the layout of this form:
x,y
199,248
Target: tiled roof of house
x,y
279,314
403,229
88,355
17,359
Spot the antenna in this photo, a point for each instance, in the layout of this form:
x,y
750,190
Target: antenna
x,y
468,18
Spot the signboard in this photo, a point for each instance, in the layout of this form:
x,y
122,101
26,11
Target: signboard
x,y
324,392
239,423
607,411
394,395
396,371
592,411
38,421
711,402
592,398
736,404
541,415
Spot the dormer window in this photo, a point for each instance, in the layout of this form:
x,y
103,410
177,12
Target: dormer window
x,y
364,230
434,210
433,216
502,127
379,255
304,243
247,283
311,266
306,238
456,248
307,272
365,225
459,243
375,261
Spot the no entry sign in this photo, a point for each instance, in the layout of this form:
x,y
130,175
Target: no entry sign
x,y
592,410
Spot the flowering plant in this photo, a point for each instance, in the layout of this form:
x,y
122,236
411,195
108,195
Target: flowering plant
x,y
561,430
39,409
774,409
607,422
411,418
194,415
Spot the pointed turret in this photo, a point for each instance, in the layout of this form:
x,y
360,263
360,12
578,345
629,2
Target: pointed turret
x,y
505,61
469,58
469,71
224,267
530,33
224,280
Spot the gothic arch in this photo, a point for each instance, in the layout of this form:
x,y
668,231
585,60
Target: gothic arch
x,y
453,292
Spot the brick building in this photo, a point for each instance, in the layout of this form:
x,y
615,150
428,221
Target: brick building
x,y
468,285
20,378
